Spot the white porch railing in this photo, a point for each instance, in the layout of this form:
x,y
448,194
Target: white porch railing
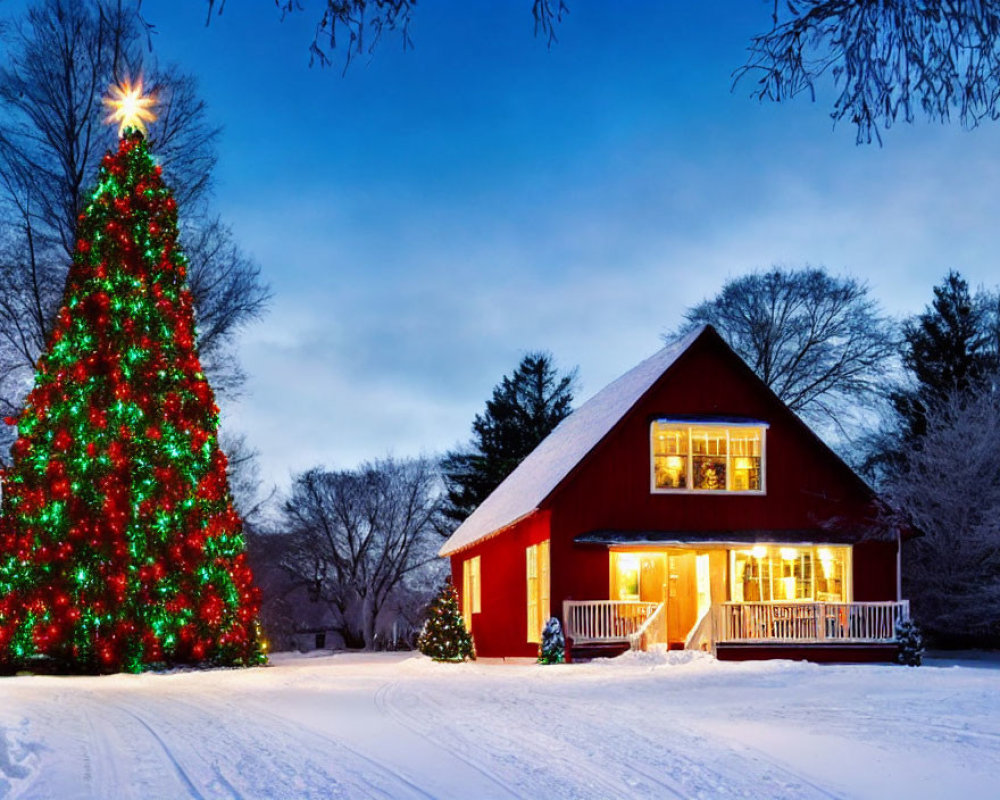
x,y
652,631
599,621
810,622
702,636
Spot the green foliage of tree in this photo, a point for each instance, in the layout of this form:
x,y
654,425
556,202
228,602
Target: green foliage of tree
x,y
945,349
523,410
911,643
444,637
57,57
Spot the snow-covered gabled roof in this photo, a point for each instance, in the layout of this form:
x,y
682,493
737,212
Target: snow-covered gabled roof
x,y
547,466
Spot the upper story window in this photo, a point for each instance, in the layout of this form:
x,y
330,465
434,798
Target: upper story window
x,y
707,456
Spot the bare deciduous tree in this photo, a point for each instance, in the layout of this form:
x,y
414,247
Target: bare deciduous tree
x,y
946,485
228,295
819,342
59,59
889,60
360,537
243,470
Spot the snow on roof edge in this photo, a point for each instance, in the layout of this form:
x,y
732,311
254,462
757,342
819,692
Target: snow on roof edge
x,y
550,463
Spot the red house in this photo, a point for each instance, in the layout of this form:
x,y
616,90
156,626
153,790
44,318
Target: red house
x,y
683,504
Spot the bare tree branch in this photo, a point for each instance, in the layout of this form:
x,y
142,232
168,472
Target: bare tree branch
x,y
364,22
888,59
819,342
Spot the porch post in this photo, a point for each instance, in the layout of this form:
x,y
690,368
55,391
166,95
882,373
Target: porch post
x,y
899,566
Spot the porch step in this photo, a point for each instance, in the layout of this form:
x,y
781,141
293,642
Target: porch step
x,y
591,650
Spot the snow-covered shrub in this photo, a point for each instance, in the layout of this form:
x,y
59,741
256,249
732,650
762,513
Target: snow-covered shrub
x,y
553,647
911,643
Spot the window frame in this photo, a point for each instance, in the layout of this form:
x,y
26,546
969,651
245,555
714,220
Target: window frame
x,y
689,489
472,583
847,578
538,589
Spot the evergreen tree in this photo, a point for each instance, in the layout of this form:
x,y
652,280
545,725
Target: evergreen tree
x,y
523,410
910,642
945,349
444,637
119,544
553,647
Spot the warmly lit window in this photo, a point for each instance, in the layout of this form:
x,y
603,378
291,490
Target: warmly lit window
x,y
637,575
626,576
708,457
789,574
471,590
538,589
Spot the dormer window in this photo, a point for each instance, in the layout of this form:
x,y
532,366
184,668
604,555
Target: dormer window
x,y
708,456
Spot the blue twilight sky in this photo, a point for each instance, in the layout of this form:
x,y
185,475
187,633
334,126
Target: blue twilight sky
x,y
432,215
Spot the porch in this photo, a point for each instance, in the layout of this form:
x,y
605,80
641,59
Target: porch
x,y
740,627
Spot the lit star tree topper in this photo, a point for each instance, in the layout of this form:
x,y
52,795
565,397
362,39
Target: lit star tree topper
x,y
120,548
129,107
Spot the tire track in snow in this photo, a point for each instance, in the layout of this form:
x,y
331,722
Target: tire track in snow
x,y
298,733
381,765
178,769
697,768
834,716
607,786
96,768
388,709
225,782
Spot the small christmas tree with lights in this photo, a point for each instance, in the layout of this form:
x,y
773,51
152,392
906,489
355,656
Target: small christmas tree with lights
x,y
120,548
444,637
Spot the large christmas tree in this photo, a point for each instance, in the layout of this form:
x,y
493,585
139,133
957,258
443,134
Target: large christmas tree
x,y
119,545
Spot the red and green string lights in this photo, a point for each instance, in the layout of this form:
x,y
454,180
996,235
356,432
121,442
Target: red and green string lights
x,y
120,548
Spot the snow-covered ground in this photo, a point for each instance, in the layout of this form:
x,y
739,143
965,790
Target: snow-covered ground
x,y
392,725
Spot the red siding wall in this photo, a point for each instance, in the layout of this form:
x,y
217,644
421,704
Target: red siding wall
x,y
874,571
501,627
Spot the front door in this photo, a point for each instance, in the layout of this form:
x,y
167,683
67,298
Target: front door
x,y
682,597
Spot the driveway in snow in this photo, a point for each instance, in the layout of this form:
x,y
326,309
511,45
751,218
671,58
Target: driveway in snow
x,y
646,725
